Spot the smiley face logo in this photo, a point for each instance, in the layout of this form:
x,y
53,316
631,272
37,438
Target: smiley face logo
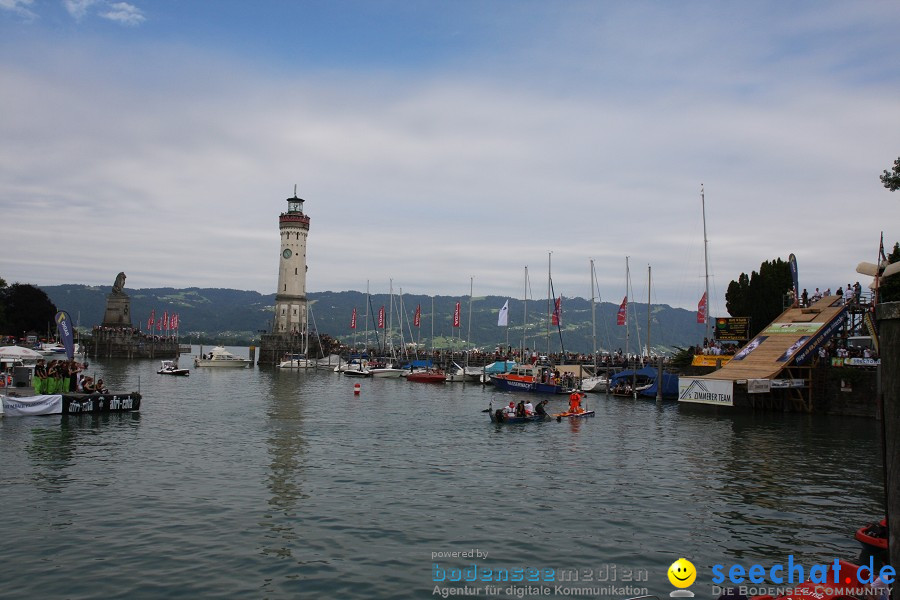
x,y
682,573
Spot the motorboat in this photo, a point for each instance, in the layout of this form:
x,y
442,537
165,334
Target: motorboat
x,y
596,383
538,378
459,373
220,357
296,360
385,370
170,367
427,376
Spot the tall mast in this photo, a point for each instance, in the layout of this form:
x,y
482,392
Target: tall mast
x,y
648,312
627,291
390,328
469,333
549,309
368,310
525,315
593,318
705,257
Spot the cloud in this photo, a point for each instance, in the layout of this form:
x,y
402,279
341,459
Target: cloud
x,y
173,166
19,7
78,8
124,13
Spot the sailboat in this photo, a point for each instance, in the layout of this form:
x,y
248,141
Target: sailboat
x,y
539,377
596,382
384,368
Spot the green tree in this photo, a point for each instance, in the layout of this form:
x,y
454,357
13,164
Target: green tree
x,y
889,287
25,308
761,295
891,179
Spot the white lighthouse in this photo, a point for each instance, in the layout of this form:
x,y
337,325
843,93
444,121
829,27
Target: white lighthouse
x,y
290,297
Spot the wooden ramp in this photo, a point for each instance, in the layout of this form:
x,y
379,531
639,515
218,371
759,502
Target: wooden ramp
x,y
788,339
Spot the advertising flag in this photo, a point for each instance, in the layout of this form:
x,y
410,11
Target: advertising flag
x,y
174,321
792,261
417,319
503,317
166,320
622,316
159,324
456,316
557,310
702,309
381,317
353,320
66,334
151,320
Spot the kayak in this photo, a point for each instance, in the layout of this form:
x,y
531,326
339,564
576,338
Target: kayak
x,y
577,415
873,536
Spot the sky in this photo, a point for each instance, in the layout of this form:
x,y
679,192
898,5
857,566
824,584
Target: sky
x,y
440,145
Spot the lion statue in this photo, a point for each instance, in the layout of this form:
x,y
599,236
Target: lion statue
x,y
119,285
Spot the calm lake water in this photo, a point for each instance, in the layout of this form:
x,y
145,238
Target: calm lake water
x,y
258,483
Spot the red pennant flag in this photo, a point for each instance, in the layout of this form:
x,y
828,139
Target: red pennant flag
x,y
417,319
174,322
702,309
159,324
622,316
353,320
381,317
166,320
557,311
151,320
456,316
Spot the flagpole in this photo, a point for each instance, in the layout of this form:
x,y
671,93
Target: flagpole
x,y
705,256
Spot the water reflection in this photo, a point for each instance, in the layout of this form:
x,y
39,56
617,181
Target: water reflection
x,y
286,447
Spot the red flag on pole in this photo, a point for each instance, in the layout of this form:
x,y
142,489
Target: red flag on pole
x,y
417,319
622,316
702,309
175,321
381,317
353,320
456,316
166,320
557,309
151,320
159,324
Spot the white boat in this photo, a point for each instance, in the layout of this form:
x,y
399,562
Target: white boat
x,y
170,367
296,360
357,370
56,349
385,370
596,383
459,373
220,357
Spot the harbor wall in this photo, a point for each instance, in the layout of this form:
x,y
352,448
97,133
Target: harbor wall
x,y
124,342
888,317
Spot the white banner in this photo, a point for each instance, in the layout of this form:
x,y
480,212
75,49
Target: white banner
x,y
32,405
706,391
759,386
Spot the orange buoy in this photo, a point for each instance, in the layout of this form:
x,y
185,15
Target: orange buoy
x,y
356,389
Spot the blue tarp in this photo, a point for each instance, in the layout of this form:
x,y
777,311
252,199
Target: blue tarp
x,y
669,381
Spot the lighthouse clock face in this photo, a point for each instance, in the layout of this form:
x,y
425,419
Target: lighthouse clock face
x,y
287,253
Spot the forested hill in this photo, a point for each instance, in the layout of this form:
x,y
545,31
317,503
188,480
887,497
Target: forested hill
x,y
236,316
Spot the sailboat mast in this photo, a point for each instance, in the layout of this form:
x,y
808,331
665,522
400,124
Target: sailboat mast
x,y
627,292
525,315
469,333
549,309
705,256
390,328
368,310
593,318
648,312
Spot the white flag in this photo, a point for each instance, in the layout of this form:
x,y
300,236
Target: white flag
x,y
503,318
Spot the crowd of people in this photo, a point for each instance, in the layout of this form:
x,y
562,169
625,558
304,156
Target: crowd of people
x,y
64,376
851,295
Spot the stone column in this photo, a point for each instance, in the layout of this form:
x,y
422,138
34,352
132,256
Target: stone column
x,y
888,317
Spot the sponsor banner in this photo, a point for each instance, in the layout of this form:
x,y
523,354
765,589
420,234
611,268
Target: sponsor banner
x,y
719,392
753,345
788,383
759,386
793,328
32,405
820,338
793,349
64,327
862,362
732,328
795,279
710,360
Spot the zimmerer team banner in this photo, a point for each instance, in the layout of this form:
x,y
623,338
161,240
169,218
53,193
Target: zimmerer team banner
x,y
719,392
